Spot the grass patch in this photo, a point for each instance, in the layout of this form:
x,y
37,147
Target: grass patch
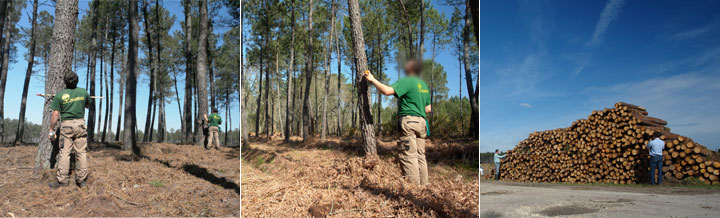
x,y
156,184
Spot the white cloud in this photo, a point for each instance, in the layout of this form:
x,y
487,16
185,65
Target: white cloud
x,y
693,33
526,105
608,15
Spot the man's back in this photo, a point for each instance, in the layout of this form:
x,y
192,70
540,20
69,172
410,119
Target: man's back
x,y
71,103
413,95
214,119
656,146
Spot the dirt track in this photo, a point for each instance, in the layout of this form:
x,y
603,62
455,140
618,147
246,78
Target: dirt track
x,y
506,199
167,180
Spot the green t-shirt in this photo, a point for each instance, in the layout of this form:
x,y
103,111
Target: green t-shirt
x,y
214,119
71,103
413,94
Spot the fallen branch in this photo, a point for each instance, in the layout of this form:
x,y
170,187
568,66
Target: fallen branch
x,y
126,201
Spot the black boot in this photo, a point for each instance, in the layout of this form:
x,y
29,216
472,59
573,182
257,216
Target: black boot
x,y
56,184
82,184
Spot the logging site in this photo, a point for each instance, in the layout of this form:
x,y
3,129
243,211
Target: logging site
x,y
120,108
600,109
360,108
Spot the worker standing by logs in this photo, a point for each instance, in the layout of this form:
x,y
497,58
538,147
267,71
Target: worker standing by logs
x,y
609,147
656,147
496,159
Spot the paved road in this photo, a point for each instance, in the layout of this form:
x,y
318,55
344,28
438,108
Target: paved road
x,y
503,199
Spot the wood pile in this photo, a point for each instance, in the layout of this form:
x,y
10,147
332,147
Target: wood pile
x,y
609,147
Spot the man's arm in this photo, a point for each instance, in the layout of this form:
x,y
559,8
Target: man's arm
x,y
384,89
428,109
53,122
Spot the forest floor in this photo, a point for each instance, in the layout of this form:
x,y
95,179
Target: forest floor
x,y
166,180
331,178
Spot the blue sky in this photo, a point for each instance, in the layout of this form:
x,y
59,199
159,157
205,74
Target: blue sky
x,y
545,64
16,75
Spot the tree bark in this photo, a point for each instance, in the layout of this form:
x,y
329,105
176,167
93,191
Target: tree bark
x,y
162,137
103,76
187,116
241,95
366,120
468,73
328,57
130,141
153,70
109,112
291,71
28,73
63,38
3,72
91,65
422,30
121,89
268,121
202,70
308,78
339,82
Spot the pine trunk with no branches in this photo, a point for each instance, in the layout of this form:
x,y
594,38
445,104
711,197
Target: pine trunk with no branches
x,y
121,89
63,36
188,104
328,57
202,71
91,65
288,118
130,141
366,119
468,73
307,134
28,73
153,70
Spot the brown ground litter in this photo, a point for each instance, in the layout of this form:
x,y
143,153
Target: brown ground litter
x,y
168,180
331,179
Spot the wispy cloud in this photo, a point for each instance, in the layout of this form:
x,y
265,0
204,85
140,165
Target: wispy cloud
x,y
527,105
694,33
609,14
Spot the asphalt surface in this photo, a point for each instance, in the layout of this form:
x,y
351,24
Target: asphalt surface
x,y
506,199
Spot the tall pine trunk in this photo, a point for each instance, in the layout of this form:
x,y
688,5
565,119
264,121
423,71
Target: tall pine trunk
x,y
202,65
328,57
121,87
61,55
468,73
308,78
153,70
339,81
188,105
3,72
291,71
91,64
130,141
28,73
366,120
109,112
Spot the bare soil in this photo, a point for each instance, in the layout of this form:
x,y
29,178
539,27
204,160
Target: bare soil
x,y
166,180
332,179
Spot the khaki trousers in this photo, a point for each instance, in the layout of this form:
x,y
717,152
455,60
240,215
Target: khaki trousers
x,y
412,149
214,137
74,136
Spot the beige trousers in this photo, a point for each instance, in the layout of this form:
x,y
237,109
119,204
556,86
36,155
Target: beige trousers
x,y
213,137
74,137
412,149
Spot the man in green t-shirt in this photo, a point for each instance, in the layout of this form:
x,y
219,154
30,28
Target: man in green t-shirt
x,y
69,106
214,121
413,105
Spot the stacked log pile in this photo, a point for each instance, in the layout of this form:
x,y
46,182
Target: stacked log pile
x,y
609,147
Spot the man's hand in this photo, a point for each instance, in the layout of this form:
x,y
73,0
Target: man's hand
x,y
52,136
368,76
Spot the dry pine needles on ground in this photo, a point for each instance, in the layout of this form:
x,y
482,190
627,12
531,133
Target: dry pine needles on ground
x,y
169,180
